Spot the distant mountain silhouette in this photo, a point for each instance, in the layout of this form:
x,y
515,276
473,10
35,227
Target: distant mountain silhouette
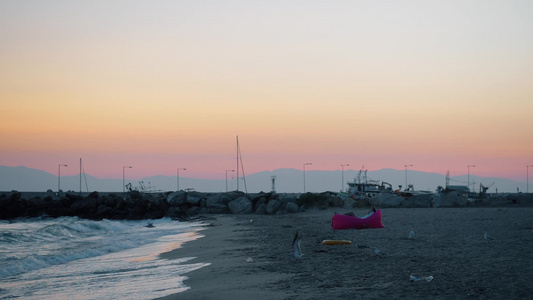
x,y
287,181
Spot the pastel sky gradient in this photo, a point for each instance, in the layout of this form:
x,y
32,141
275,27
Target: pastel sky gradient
x,y
165,84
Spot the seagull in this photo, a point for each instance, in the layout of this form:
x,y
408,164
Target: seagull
x,y
488,237
411,235
296,245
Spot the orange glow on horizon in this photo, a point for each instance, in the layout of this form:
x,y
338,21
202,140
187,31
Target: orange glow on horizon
x,y
359,83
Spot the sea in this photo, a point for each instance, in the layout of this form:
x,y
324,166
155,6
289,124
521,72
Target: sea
x,y
72,258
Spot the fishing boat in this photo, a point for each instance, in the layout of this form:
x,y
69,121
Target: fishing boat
x,y
364,188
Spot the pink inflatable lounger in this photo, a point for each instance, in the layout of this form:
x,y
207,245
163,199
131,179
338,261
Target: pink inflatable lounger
x,y
349,222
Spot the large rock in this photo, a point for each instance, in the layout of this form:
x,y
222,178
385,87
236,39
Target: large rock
x,y
292,207
85,206
259,202
195,198
261,209
218,209
175,212
273,206
217,199
241,205
177,198
232,195
260,197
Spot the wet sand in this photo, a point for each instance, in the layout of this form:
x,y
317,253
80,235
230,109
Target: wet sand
x,y
252,258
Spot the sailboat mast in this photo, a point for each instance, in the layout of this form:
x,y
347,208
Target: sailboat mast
x,y
237,163
80,176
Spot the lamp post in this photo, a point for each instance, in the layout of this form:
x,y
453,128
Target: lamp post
x,y
406,186
59,177
178,176
468,178
227,178
124,178
306,164
342,178
527,178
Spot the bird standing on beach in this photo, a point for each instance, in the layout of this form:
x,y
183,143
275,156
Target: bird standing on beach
x,y
411,235
488,237
296,245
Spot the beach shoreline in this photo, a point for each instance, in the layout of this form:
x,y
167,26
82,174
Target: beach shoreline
x,y
227,243
251,256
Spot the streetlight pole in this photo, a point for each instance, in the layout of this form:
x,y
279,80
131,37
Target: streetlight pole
x,y
342,178
527,178
306,164
406,186
178,176
124,178
59,177
227,178
469,175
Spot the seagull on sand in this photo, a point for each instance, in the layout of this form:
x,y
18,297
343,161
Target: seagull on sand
x,y
411,235
488,237
296,245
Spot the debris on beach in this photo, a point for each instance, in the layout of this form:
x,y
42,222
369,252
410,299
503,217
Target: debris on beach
x,y
426,278
378,252
296,245
336,242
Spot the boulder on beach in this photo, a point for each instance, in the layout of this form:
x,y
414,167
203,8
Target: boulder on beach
x,y
292,207
273,206
177,198
241,205
195,198
261,209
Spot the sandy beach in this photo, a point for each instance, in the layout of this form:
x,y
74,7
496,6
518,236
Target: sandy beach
x,y
251,256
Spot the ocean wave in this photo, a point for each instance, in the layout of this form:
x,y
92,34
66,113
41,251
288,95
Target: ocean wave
x,y
31,245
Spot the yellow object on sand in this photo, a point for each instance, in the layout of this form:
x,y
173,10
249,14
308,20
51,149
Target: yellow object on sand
x,y
336,242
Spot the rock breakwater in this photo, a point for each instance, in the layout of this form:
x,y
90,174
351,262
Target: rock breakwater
x,y
136,205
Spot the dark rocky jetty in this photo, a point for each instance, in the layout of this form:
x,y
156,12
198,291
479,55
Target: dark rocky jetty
x,y
136,205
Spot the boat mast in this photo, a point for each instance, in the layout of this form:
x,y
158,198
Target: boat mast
x,y
82,171
239,157
237,163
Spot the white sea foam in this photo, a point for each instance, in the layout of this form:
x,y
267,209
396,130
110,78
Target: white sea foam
x,y
92,259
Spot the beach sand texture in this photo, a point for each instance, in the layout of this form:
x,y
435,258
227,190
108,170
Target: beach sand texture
x,y
252,258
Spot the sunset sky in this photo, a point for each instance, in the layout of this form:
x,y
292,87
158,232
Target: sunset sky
x,y
158,85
